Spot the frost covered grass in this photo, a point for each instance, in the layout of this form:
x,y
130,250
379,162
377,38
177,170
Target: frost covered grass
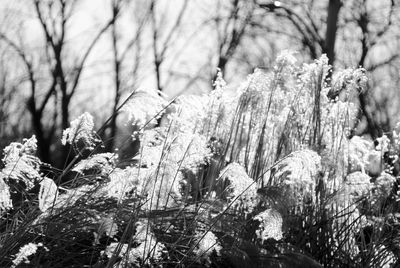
x,y
263,175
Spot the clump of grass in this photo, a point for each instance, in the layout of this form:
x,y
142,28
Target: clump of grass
x,y
262,175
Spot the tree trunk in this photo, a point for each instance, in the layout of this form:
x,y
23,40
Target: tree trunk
x,y
117,83
331,29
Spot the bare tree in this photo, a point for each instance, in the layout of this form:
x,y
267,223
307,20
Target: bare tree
x,y
55,41
36,109
232,29
317,42
369,39
7,95
53,17
120,55
162,42
306,26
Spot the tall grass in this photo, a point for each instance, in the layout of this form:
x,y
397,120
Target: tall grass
x,y
261,175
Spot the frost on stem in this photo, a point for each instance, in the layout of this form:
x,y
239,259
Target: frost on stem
x,y
107,226
270,225
47,194
163,187
152,143
166,153
144,107
187,149
188,113
104,163
356,186
219,83
348,83
21,164
236,187
396,135
359,151
5,197
384,184
207,245
25,252
381,190
285,59
147,251
190,151
124,183
297,174
81,132
345,208
16,150
383,144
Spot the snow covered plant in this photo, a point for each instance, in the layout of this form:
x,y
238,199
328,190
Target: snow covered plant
x,y
270,225
81,133
207,244
257,170
21,164
147,251
297,175
144,107
104,163
25,252
237,188
21,167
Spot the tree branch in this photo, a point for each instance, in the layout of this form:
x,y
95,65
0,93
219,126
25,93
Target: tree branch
x,y
80,66
382,63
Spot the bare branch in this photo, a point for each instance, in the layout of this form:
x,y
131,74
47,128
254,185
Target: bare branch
x,y
383,63
173,29
310,39
51,91
16,48
28,66
49,36
80,66
386,27
298,21
137,35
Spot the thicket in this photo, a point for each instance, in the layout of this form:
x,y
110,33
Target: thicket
x,y
265,175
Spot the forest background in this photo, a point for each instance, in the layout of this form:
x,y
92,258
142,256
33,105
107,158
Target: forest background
x,y
61,58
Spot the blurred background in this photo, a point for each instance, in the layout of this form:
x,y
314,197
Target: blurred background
x,y
60,58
